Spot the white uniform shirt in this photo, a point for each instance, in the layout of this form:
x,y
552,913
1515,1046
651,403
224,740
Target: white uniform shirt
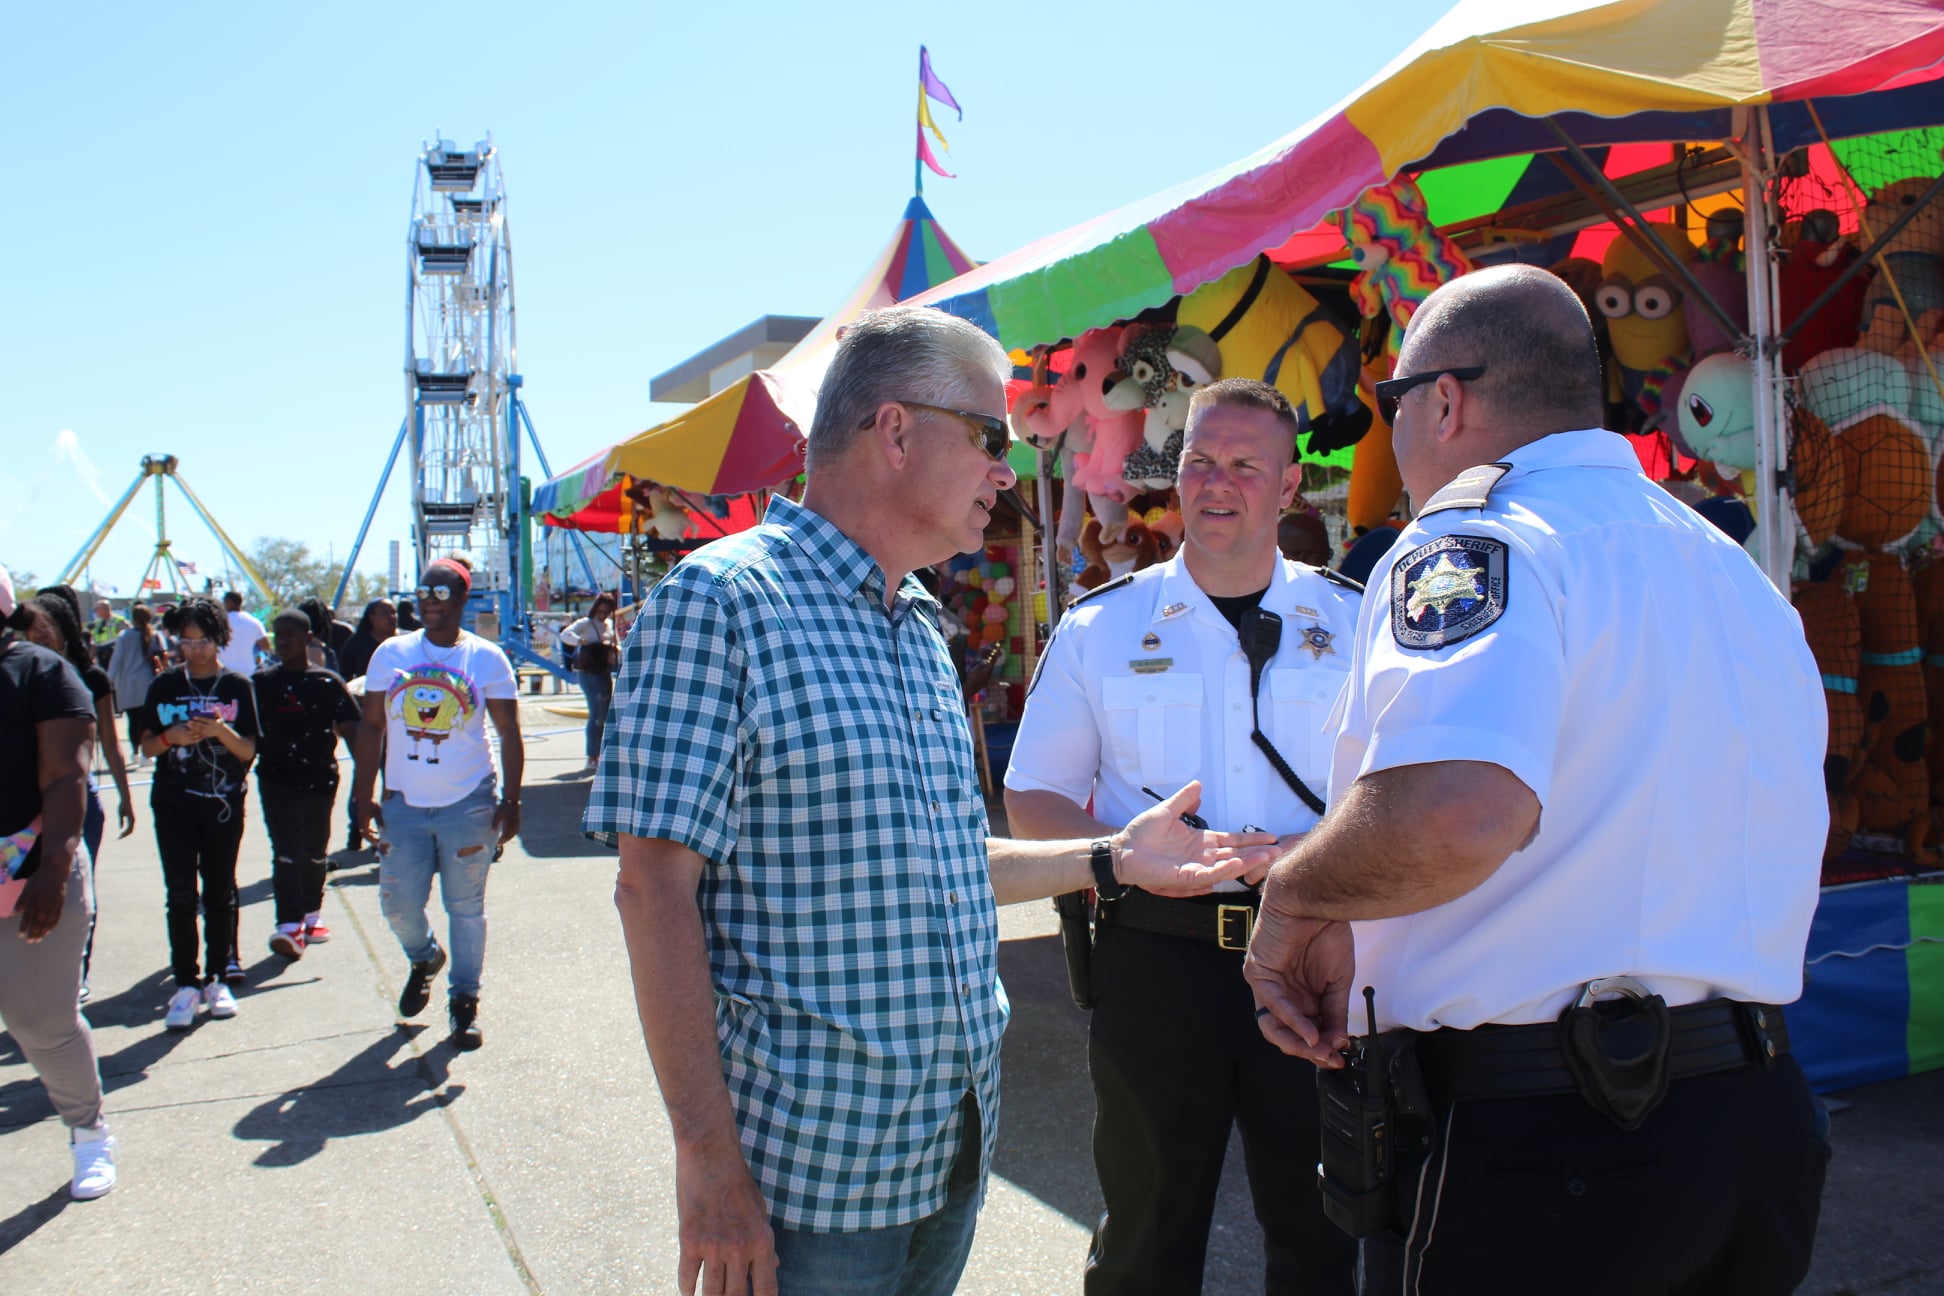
x,y
1654,691
1147,685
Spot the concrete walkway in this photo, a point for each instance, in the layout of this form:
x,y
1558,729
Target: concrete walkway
x,y
314,1144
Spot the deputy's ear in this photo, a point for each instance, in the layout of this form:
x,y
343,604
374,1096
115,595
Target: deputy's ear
x,y
889,431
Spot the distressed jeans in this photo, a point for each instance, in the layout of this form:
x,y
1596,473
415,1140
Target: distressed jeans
x,y
455,843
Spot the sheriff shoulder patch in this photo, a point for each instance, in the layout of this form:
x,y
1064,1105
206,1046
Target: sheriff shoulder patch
x,y
1447,590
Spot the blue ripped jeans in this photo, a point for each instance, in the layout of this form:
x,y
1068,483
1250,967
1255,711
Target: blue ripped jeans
x,y
455,842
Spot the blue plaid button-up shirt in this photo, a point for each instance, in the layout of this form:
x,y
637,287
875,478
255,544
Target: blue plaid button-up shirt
x,y
774,717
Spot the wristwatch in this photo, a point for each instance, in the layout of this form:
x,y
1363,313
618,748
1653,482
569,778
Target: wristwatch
x,y
1106,886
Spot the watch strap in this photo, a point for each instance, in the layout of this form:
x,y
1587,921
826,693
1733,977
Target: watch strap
x,y
1106,886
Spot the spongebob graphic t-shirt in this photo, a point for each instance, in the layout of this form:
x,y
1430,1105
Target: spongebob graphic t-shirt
x,y
436,748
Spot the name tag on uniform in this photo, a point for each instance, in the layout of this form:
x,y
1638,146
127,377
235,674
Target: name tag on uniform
x,y
1150,665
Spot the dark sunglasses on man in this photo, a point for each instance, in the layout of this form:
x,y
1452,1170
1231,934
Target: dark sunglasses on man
x,y
1389,390
992,435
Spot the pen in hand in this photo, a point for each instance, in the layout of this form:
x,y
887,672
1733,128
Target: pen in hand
x,y
1192,820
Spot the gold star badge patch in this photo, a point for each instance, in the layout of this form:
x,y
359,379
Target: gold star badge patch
x,y
1447,590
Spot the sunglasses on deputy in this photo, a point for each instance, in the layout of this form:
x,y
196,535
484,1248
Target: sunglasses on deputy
x,y
1391,389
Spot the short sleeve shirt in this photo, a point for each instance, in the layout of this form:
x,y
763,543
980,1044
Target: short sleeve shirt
x,y
1146,685
436,745
35,686
774,716
299,712
239,654
1634,668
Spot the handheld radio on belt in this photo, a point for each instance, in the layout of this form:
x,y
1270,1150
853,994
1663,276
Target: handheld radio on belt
x,y
1261,635
1376,1121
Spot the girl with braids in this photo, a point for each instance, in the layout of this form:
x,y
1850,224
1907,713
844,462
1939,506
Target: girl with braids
x,y
49,621
199,722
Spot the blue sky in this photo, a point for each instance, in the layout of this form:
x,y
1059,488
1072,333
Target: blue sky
x,y
205,207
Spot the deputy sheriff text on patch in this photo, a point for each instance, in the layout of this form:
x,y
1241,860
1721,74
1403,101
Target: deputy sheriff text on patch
x,y
1447,590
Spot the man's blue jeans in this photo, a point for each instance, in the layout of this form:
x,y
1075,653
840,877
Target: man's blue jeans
x,y
456,843
924,1258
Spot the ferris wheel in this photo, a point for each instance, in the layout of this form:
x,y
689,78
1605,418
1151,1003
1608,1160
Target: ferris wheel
x,y
461,380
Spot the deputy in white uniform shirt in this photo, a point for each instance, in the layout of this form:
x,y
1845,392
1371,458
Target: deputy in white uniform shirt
x,y
1582,740
1144,688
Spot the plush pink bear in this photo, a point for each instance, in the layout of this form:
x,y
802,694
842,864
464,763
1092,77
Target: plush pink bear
x,y
1116,433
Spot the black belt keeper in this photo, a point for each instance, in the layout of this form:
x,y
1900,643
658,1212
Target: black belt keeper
x,y
1494,1062
1225,919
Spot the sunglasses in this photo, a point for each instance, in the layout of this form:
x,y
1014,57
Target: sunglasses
x,y
1391,389
437,593
993,435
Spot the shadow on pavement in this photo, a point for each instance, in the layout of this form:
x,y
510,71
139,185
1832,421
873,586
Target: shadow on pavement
x,y
23,1223
1046,1101
550,817
365,1095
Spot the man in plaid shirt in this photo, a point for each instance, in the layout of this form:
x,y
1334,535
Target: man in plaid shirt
x,y
806,885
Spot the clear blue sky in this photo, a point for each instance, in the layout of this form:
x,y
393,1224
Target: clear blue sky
x,y
205,207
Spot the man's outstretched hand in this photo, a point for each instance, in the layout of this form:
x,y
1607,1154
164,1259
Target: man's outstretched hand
x,y
1300,970
1159,853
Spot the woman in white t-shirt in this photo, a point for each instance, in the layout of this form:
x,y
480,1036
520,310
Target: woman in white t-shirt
x,y
597,652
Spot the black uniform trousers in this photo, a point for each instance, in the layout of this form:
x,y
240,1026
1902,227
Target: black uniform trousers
x,y
1717,1194
1177,1059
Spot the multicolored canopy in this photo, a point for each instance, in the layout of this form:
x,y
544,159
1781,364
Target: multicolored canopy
x,y
1483,89
749,435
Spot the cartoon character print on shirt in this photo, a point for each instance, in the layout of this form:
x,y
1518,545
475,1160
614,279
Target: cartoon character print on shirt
x,y
1447,590
432,703
183,710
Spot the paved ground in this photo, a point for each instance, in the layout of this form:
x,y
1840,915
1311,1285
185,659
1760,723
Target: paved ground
x,y
313,1144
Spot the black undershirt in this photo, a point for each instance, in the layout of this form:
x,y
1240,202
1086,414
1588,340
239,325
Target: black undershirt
x,y
1235,605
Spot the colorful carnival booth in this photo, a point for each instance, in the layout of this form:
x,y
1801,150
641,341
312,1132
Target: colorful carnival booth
x,y
1747,197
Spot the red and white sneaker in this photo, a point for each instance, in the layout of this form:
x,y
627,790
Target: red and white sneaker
x,y
290,944
316,933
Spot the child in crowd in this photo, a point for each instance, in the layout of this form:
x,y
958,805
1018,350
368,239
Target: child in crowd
x,y
303,710
200,724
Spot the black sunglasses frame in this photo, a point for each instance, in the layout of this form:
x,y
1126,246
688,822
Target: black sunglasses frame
x,y
994,435
1390,390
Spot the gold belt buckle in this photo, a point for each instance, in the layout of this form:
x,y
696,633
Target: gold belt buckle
x,y
1243,917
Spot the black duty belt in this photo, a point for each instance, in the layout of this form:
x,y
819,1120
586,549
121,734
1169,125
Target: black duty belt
x,y
1528,1062
1225,919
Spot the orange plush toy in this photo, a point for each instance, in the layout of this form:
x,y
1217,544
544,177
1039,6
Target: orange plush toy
x,y
1929,583
1818,474
1829,622
1893,791
1886,481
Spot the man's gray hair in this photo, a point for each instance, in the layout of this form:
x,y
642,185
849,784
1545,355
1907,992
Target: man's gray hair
x,y
913,353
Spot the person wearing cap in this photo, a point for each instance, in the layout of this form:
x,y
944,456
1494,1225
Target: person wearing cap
x,y
1572,851
1150,682
806,884
47,734
302,710
429,695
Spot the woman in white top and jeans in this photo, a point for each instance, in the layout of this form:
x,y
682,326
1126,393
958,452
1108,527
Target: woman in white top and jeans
x,y
597,652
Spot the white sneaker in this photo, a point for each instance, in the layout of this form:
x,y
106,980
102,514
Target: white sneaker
x,y
94,1163
218,999
182,1008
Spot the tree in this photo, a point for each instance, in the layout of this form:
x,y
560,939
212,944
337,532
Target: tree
x,y
294,574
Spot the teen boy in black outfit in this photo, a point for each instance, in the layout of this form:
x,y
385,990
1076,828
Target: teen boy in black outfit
x,y
303,710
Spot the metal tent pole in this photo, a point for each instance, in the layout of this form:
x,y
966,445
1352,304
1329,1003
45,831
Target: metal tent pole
x,y
1049,555
1775,512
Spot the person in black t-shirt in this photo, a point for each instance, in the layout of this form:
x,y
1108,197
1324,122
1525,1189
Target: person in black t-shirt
x,y
302,710
47,731
51,623
200,723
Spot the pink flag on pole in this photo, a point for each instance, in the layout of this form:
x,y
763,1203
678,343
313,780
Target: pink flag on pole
x,y
925,155
928,81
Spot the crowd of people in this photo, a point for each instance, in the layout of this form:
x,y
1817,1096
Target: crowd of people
x,y
1258,790
210,695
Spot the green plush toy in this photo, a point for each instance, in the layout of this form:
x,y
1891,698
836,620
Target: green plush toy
x,y
1717,412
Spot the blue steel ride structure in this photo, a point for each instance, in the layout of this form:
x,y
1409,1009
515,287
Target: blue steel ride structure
x,y
463,412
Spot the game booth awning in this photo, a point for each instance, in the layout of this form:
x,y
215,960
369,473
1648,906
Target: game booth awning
x,y
1540,131
1488,86
748,436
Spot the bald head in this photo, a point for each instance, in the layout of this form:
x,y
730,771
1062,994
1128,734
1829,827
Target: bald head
x,y
1525,325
